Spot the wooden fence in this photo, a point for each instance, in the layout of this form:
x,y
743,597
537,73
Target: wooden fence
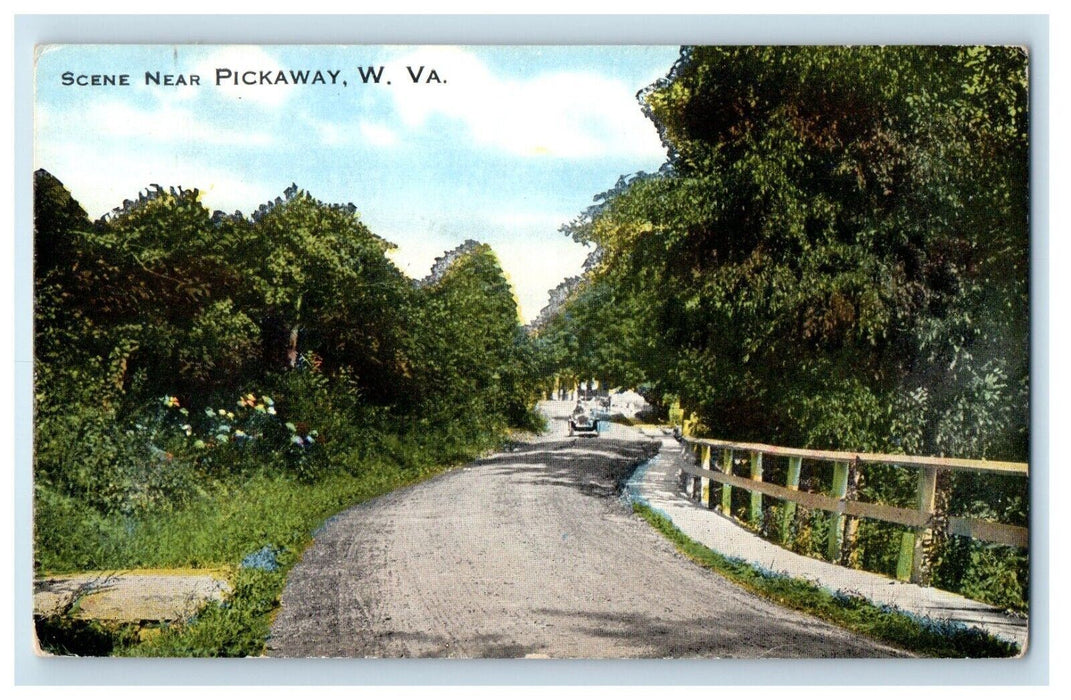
x,y
714,460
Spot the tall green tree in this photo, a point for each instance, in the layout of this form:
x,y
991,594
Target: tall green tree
x,y
146,294
834,255
836,252
324,285
471,352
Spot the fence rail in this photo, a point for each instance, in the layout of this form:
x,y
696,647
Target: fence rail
x,y
921,520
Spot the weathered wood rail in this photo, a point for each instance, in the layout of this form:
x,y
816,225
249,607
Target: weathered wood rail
x,y
921,520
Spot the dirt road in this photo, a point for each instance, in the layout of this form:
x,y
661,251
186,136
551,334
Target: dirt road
x,y
531,552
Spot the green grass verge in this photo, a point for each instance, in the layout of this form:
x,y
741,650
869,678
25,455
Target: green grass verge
x,y
919,635
235,520
283,515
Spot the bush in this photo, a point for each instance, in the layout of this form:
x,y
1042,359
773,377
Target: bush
x,y
89,455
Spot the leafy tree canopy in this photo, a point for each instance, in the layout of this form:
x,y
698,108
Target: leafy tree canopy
x,y
835,253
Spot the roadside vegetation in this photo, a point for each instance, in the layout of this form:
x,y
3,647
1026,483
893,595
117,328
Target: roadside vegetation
x,y
921,636
836,256
212,386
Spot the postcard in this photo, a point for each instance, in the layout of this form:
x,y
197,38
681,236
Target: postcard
x,y
586,352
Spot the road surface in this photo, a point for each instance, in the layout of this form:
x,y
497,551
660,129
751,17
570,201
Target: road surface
x,y
531,552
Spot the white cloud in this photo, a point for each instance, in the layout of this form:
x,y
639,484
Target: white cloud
x,y
530,222
328,133
566,114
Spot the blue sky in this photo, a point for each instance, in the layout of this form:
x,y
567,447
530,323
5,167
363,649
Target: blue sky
x,y
512,143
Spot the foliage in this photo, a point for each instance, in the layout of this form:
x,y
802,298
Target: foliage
x,y
840,233
208,385
239,517
162,298
234,628
833,256
469,350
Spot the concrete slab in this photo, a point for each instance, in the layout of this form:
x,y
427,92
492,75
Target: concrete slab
x,y
129,596
656,485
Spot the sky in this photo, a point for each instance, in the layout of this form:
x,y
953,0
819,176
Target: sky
x,y
498,144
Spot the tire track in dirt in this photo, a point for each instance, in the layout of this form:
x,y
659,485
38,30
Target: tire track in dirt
x,y
529,552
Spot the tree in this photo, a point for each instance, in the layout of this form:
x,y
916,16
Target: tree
x,y
325,285
471,354
835,253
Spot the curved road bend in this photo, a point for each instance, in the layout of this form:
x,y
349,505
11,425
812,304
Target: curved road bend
x,y
529,552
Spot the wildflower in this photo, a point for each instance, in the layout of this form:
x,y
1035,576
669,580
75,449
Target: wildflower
x,y
291,427
230,415
267,400
199,444
296,439
259,408
209,412
221,412
188,429
240,434
271,410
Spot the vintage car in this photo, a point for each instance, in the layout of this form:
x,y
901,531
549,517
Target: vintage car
x,y
583,422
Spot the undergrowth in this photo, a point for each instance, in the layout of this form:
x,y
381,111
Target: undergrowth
x,y
265,510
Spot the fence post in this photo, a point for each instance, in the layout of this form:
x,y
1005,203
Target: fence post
x,y
688,457
705,481
793,484
756,497
836,520
688,421
851,523
726,489
696,480
907,554
913,544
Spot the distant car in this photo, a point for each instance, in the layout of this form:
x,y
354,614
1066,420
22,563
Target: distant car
x,y
582,422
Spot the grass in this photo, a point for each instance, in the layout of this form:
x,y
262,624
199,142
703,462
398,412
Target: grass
x,y
920,635
234,521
